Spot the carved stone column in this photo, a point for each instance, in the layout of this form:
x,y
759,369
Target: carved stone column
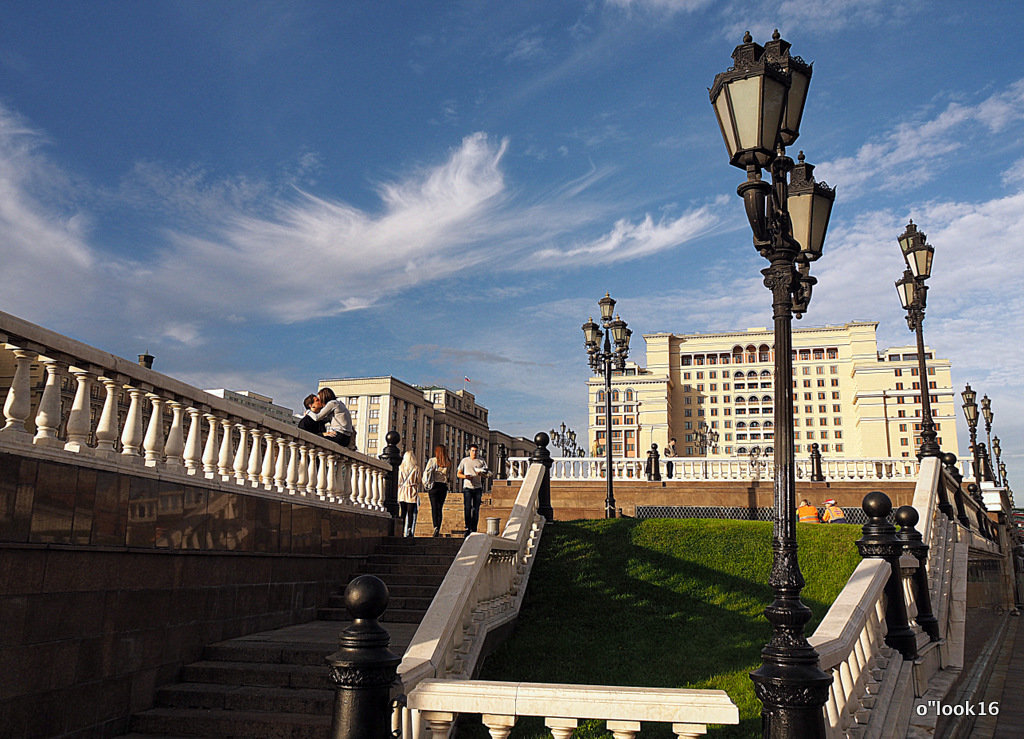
x,y
131,434
106,427
18,404
79,419
174,448
154,441
48,416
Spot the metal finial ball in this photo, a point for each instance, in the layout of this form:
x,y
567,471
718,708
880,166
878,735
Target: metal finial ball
x,y
876,504
972,488
541,439
776,35
366,597
949,459
906,516
747,38
392,437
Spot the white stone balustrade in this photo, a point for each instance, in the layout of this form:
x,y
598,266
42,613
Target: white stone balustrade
x,y
692,469
623,709
224,444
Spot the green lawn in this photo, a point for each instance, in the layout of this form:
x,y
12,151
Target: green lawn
x,y
669,603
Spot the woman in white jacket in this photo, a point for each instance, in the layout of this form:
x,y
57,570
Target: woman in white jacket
x,y
435,481
408,492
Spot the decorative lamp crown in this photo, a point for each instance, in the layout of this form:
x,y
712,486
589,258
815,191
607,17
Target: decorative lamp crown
x,y
750,103
917,252
607,304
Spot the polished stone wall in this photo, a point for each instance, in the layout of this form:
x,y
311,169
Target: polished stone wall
x,y
110,582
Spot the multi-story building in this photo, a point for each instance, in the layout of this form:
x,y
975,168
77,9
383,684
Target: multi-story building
x,y
259,403
423,416
714,394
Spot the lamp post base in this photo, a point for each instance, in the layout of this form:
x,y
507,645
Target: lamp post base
x,y
792,696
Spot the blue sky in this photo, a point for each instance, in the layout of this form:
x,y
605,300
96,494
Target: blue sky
x,y
262,194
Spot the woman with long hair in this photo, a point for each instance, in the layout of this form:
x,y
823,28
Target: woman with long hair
x,y
325,407
408,492
435,481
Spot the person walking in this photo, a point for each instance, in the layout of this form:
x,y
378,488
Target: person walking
x,y
807,513
408,493
472,471
435,482
833,513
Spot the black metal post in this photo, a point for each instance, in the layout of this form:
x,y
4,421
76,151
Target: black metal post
x,y
816,473
363,669
654,464
541,455
949,460
609,495
950,468
502,462
393,456
915,322
913,543
879,541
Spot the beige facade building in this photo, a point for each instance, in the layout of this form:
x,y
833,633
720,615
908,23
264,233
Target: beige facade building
x,y
714,394
423,416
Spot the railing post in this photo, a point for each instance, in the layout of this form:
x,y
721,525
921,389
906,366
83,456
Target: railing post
x,y
949,460
913,544
879,542
393,456
653,464
944,505
502,463
816,474
541,455
363,669
979,515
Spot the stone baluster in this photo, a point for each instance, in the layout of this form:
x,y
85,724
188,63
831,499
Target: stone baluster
x,y
291,475
131,434
689,731
267,469
18,404
280,463
252,470
561,728
311,471
376,489
224,456
361,496
623,729
79,420
153,444
331,483
106,427
174,449
499,726
194,452
439,722
48,415
241,454
302,469
353,484
321,473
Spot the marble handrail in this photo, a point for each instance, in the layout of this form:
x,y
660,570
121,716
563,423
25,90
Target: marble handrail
x,y
563,706
127,416
726,468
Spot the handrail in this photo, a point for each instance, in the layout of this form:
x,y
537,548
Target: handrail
x,y
711,468
623,708
148,422
482,591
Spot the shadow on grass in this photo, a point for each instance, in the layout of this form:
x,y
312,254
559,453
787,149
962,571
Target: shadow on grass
x,y
656,603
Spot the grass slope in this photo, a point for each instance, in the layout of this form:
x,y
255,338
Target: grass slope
x,y
666,603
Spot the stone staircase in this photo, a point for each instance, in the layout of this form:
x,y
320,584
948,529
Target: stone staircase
x,y
275,683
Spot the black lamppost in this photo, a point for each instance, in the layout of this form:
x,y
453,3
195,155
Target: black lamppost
x,y
759,103
602,362
971,414
566,441
986,413
999,466
707,438
917,254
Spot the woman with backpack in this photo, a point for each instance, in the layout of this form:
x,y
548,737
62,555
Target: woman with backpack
x,y
435,482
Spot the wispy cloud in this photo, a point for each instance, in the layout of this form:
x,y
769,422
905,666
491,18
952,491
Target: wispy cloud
x,y
913,152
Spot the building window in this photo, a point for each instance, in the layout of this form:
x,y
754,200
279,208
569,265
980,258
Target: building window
x,y
375,413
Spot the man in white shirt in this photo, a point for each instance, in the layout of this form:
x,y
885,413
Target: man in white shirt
x,y
472,471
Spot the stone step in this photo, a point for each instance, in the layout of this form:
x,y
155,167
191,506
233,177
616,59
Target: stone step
x,y
220,723
256,674
246,698
406,578
392,615
409,568
250,651
396,602
409,557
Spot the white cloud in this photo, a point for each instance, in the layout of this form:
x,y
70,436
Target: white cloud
x,y
911,153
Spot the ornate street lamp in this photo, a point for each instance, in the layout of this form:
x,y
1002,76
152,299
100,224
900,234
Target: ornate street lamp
x,y
566,441
602,362
759,103
913,293
999,465
986,412
707,439
971,414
